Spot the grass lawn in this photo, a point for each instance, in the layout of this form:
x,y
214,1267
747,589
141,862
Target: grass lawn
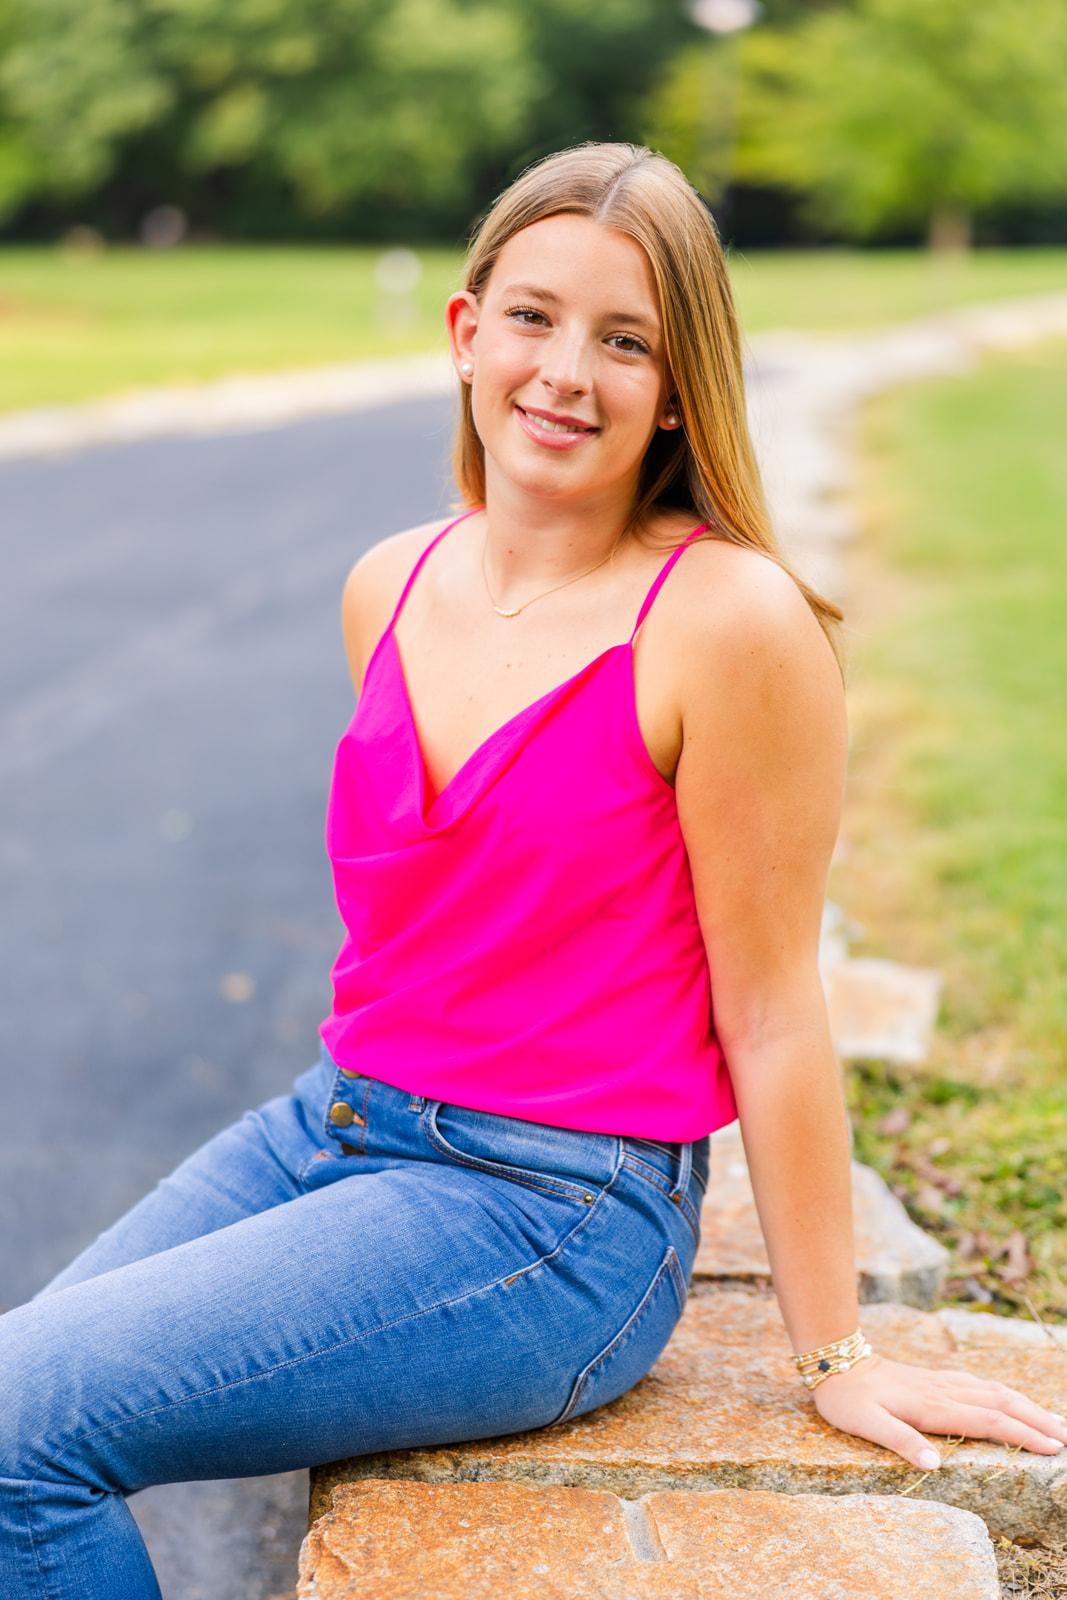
x,y
74,326
956,822
838,290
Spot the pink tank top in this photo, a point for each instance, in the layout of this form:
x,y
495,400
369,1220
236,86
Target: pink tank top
x,y
528,943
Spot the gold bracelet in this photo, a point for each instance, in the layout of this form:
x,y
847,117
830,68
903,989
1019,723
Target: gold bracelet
x,y
815,1366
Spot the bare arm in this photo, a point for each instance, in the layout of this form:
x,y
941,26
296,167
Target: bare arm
x,y
759,786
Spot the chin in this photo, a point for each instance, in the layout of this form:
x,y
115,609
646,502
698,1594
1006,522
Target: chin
x,y
549,472
550,482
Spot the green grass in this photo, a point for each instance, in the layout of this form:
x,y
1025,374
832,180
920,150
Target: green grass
x,y
838,290
957,818
74,326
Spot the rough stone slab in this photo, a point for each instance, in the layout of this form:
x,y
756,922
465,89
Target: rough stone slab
x,y
507,1541
895,1260
880,1010
810,1547
978,1330
723,1409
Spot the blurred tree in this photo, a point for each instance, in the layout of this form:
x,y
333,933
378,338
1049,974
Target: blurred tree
x,y
253,112
332,102
75,80
18,169
599,58
897,113
691,114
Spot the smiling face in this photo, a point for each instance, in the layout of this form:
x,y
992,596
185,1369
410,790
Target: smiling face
x,y
569,382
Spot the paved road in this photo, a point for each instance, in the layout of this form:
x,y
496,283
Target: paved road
x,y
171,688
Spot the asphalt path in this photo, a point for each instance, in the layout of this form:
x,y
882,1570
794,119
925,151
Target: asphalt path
x,y
172,686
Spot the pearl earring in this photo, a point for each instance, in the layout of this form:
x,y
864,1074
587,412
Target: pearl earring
x,y
671,418
467,367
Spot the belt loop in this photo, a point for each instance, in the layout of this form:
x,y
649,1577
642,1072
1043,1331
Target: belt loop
x,y
417,1103
685,1168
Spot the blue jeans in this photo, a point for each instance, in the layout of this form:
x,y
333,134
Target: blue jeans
x,y
348,1269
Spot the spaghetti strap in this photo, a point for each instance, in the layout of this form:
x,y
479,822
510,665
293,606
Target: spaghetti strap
x,y
421,562
663,574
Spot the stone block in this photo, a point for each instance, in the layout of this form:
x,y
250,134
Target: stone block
x,y
723,1408
895,1260
508,1541
978,1330
881,1010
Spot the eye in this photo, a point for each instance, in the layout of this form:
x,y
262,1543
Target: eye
x,y
629,344
528,316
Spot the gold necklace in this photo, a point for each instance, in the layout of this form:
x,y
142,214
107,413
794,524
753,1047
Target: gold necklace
x,y
545,592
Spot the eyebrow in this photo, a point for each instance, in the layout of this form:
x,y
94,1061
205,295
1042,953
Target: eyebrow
x,y
535,292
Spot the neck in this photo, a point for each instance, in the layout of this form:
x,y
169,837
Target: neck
x,y
534,539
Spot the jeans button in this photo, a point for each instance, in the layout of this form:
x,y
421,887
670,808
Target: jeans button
x,y
341,1116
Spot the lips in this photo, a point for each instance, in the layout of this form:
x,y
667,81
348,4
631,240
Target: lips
x,y
549,424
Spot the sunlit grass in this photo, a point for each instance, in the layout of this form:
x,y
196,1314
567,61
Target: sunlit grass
x,y
829,290
75,326
957,817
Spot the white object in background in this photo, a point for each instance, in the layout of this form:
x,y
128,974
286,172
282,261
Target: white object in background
x,y
724,16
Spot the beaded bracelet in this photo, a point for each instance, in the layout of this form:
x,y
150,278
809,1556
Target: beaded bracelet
x,y
816,1365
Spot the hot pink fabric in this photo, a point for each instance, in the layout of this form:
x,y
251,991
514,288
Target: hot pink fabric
x,y
528,943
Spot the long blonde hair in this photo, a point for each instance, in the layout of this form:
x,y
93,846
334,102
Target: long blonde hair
x,y
708,466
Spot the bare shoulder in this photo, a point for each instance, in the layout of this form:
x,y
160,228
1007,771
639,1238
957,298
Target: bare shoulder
x,y
374,586
742,616
382,571
762,712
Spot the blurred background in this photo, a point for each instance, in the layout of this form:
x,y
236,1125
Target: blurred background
x,y
191,189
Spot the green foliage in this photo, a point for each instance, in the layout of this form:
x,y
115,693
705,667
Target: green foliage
x,y
328,107
332,100
77,79
17,166
692,114
897,112
599,59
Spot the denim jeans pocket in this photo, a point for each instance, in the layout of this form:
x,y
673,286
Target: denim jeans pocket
x,y
639,1343
682,1188
554,1161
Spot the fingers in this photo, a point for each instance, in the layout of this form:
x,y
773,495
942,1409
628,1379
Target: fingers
x,y
992,1422
991,1408
881,1427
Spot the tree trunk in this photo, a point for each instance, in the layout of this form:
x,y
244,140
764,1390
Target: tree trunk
x,y
950,230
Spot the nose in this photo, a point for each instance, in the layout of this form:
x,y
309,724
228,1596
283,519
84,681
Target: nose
x,y
567,369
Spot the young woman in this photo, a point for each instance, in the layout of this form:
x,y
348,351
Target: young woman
x,y
586,803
